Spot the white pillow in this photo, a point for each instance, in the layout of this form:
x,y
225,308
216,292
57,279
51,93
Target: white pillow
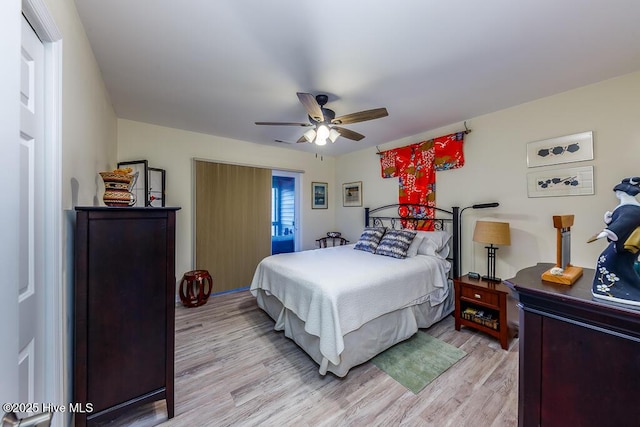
x,y
413,247
439,243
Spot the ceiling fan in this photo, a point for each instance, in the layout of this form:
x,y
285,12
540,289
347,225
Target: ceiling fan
x,y
324,121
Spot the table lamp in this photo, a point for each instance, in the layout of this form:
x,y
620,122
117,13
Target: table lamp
x,y
492,233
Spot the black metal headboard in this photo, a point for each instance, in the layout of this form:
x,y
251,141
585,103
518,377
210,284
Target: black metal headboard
x,y
397,215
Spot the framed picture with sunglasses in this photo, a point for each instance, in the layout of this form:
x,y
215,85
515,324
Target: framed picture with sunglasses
x,y
563,149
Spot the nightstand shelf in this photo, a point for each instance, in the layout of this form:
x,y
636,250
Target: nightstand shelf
x,y
482,305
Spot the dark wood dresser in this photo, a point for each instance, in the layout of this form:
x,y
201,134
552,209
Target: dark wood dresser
x,y
124,309
579,357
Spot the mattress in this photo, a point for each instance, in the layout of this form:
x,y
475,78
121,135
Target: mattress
x,y
320,297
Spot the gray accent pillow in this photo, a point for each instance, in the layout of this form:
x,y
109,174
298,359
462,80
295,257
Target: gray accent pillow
x,y
395,243
369,239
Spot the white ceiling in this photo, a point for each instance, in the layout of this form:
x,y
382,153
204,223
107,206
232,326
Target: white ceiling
x,y
217,66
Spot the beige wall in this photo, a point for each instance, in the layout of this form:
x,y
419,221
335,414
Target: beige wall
x,y
174,150
88,120
496,170
88,135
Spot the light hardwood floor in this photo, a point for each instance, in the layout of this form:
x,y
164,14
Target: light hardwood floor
x,y
233,369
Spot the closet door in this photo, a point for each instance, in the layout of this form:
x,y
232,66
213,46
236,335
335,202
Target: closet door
x,y
233,221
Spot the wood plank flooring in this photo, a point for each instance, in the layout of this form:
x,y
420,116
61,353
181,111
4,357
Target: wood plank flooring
x,y
233,369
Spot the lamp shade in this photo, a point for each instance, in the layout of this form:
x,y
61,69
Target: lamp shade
x,y
490,232
333,135
309,135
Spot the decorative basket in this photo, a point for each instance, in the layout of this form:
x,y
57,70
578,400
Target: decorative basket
x,y
118,187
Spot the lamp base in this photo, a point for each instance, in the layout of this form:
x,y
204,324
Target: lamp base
x,y
491,279
568,276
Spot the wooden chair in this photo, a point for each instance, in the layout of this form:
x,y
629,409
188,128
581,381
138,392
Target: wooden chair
x,y
335,241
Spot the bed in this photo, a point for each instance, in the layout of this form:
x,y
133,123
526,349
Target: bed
x,y
343,306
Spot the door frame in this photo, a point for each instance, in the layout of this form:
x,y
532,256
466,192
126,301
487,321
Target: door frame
x,y
296,203
57,337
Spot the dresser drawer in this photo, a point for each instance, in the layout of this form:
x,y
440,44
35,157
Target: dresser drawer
x,y
480,295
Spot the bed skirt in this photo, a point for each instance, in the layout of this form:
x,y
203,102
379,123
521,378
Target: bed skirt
x,y
364,343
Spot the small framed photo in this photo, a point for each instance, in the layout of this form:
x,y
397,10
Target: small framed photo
x,y
140,188
156,187
352,194
564,149
319,195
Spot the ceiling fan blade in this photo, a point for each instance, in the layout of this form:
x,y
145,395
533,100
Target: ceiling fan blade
x,y
311,105
361,116
349,134
283,124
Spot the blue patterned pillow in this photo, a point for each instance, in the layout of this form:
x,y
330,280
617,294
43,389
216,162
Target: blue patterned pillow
x,y
369,239
395,243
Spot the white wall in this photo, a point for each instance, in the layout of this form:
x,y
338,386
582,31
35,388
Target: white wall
x,y
496,170
174,150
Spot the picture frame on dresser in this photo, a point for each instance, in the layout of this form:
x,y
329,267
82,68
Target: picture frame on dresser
x,y
141,188
156,183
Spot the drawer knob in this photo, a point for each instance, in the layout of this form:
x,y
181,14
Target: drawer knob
x,y
478,296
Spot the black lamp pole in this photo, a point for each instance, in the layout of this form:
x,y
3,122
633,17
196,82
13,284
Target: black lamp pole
x,y
458,244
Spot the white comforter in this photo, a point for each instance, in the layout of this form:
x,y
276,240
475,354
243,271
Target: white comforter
x,y
337,290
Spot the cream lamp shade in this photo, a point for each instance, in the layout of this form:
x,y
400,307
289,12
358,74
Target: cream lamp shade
x,y
490,232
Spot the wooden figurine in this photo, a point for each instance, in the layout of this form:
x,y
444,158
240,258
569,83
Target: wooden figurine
x,y
563,272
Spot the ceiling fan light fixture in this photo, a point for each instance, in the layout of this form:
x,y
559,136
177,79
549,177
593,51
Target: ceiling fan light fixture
x,y
322,120
310,135
333,135
322,132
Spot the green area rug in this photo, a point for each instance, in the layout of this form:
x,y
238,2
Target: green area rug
x,y
416,362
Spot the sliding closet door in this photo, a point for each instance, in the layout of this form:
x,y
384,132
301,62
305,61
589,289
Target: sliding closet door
x,y
233,222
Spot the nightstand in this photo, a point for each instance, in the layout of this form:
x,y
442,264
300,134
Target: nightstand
x,y
482,305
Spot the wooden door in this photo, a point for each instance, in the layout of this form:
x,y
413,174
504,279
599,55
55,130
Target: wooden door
x,y
233,222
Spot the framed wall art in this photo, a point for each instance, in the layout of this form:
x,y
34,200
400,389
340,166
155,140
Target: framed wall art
x,y
319,195
156,185
352,194
561,182
140,189
564,149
